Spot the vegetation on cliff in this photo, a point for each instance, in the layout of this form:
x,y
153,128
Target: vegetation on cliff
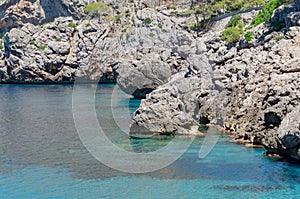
x,y
265,14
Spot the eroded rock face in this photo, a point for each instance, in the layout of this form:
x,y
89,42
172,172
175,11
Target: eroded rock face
x,y
59,52
15,14
154,52
175,105
289,133
173,108
252,89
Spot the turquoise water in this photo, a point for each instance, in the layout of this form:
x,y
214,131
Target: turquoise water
x,y
41,155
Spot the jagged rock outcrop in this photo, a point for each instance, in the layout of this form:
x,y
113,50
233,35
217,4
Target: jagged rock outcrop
x,y
289,133
253,88
16,13
154,51
178,99
62,51
92,49
174,104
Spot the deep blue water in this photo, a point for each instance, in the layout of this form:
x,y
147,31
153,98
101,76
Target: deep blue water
x,y
41,155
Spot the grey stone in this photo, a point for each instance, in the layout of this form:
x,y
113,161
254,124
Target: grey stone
x,y
289,133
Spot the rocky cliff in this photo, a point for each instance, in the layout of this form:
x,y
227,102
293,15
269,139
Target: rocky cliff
x,y
249,87
99,46
15,13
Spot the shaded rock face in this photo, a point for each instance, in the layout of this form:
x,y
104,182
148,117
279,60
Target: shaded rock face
x,y
297,5
289,133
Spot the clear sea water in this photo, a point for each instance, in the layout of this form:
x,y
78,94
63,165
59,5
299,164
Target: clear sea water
x,y
41,156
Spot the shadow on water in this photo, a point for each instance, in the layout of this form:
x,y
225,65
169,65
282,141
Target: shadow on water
x,y
37,129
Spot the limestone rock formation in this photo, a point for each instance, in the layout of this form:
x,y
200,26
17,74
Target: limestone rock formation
x,y
289,133
154,51
62,51
252,89
15,13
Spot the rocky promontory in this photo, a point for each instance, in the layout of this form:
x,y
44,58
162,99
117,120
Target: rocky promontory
x,y
247,88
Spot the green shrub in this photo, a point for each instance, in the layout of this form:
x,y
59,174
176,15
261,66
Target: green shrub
x,y
87,25
127,13
96,7
127,36
58,39
1,46
118,19
234,29
159,25
231,34
151,34
252,3
42,47
193,26
249,36
188,12
266,13
174,12
234,21
32,42
278,38
72,25
147,21
3,38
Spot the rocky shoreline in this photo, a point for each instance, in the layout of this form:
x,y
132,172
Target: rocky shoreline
x,y
250,88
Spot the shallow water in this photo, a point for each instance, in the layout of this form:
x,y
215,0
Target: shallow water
x,y
41,155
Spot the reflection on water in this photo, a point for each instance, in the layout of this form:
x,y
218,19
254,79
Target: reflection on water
x,y
37,131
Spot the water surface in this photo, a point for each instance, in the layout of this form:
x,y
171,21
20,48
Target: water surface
x,y
41,155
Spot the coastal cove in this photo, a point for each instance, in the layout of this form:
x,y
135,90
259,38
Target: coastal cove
x,y
150,99
42,156
238,71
